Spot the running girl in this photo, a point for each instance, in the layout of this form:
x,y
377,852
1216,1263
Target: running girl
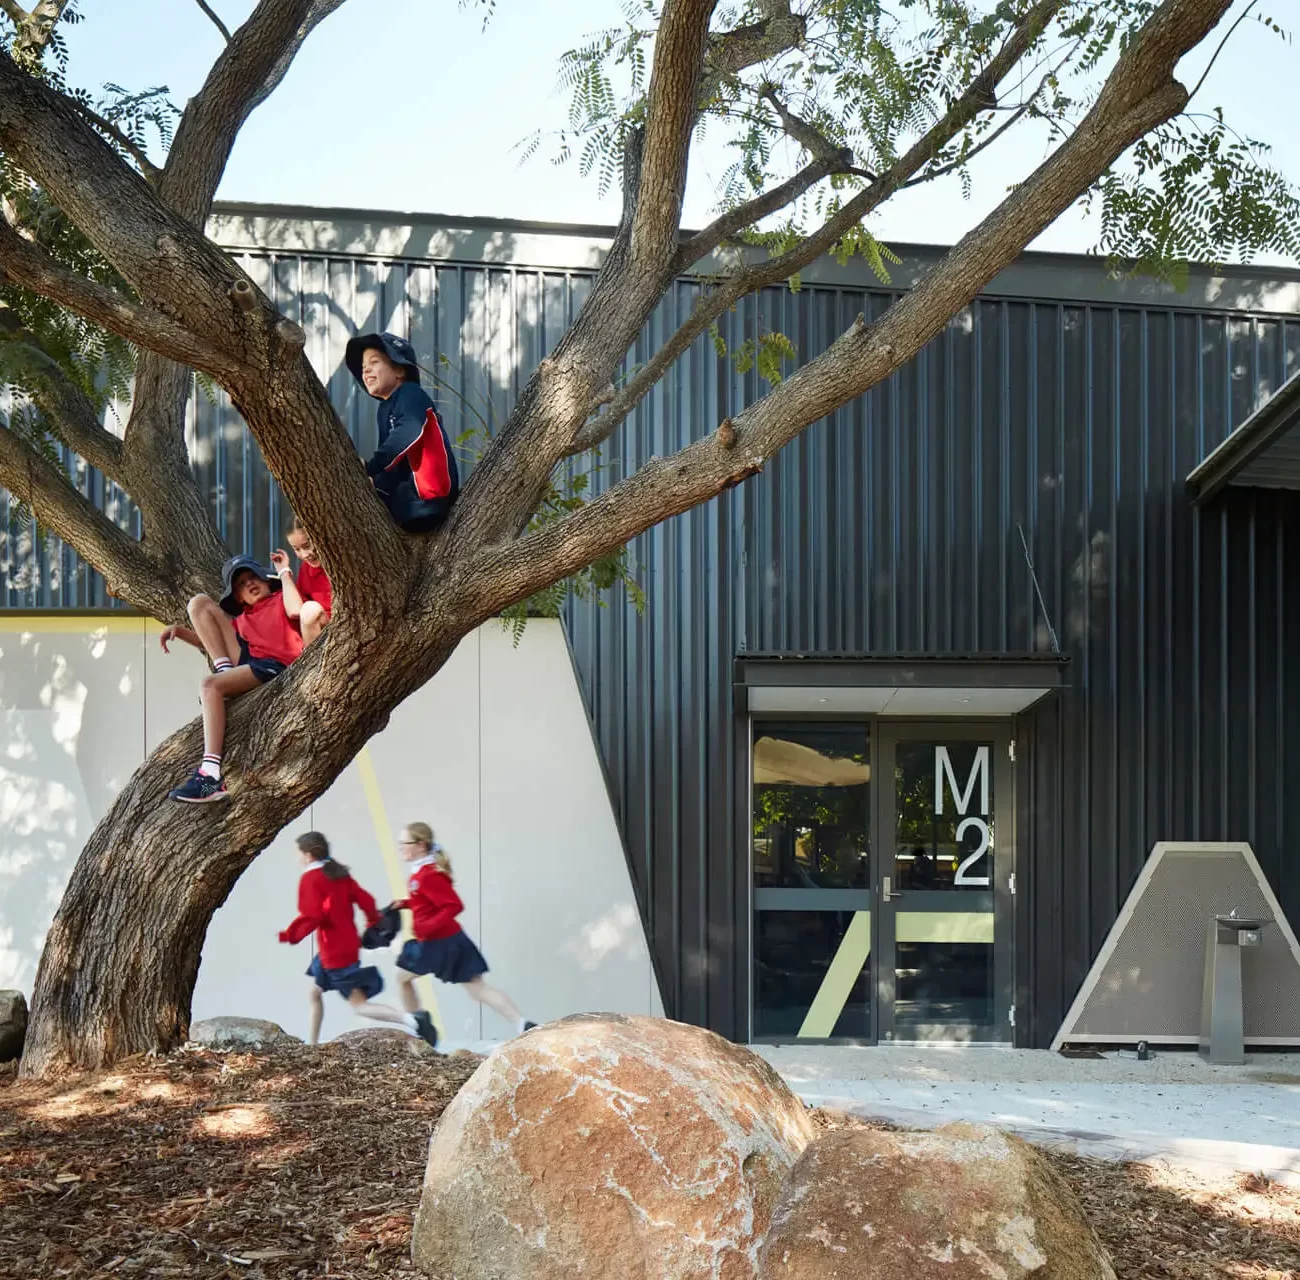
x,y
327,897
440,946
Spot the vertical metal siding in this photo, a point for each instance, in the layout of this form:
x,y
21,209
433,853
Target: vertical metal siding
x,y
894,525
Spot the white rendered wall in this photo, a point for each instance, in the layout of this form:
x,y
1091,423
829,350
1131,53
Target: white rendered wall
x,y
495,753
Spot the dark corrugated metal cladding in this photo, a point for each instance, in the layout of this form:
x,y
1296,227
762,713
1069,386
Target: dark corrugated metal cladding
x,y
894,526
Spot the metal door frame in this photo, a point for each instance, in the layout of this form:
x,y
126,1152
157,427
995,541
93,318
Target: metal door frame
x,y
853,899
886,735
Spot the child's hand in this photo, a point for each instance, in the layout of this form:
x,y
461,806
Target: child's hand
x,y
279,560
168,635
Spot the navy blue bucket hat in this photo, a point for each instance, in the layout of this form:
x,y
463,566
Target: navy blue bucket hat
x,y
236,565
398,350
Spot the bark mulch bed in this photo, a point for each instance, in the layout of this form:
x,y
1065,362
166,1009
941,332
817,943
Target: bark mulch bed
x,y
303,1163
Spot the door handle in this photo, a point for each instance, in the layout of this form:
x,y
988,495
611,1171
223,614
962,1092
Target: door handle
x,y
887,892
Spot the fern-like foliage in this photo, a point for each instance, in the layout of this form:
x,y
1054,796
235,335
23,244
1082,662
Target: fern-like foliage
x,y
874,78
41,334
568,488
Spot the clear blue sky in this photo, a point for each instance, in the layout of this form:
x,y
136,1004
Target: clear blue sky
x,y
416,107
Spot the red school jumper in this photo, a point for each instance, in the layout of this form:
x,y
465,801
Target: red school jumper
x,y
434,903
313,583
325,905
268,631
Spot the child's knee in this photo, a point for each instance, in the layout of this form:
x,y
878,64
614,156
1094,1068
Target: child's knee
x,y
209,687
200,604
312,615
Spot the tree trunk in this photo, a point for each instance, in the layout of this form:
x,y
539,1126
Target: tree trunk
x,y
154,871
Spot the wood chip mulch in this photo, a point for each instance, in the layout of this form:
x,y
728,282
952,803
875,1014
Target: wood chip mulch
x,y
299,1163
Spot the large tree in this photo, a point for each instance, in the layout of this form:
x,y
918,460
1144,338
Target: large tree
x,y
835,106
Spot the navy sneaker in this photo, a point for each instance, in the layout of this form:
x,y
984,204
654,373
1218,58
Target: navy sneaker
x,y
200,789
427,1031
528,1026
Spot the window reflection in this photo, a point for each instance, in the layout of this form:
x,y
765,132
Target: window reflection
x,y
811,807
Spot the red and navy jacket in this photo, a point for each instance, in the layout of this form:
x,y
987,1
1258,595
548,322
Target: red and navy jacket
x,y
413,469
326,906
434,903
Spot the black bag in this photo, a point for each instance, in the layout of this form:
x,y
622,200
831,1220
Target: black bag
x,y
384,930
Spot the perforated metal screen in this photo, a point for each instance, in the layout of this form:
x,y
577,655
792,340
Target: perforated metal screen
x,y
1147,982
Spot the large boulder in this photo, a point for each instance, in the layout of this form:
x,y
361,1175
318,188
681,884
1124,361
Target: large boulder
x,y
13,1024
250,1033
605,1146
962,1203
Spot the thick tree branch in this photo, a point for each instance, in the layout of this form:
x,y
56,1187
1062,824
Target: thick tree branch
x,y
128,572
505,487
69,411
213,118
192,296
168,262
316,14
1139,94
30,266
731,52
670,118
979,94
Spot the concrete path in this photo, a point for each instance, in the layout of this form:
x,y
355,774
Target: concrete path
x,y
1174,1108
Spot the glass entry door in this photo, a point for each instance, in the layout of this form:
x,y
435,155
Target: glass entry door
x,y
944,928
882,862
811,791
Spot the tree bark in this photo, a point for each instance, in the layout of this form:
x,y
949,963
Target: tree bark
x,y
121,958
122,955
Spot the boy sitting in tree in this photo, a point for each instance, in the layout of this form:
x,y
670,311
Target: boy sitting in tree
x,y
413,469
251,636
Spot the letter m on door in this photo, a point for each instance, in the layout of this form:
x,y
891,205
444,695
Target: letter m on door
x,y
944,775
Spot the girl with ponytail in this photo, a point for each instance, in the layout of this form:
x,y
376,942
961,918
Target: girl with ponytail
x,y
327,899
440,946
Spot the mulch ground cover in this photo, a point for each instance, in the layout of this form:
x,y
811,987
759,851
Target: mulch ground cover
x,y
303,1162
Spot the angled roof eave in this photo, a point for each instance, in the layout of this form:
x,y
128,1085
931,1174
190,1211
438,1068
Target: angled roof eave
x,y
1277,415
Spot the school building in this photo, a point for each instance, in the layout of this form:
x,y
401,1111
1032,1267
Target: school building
x,y
904,715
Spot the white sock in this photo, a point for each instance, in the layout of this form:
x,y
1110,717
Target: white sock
x,y
520,1025
211,767
411,1024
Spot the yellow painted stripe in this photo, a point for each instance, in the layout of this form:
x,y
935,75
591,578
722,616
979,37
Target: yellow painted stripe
x,y
396,879
837,985
77,624
944,926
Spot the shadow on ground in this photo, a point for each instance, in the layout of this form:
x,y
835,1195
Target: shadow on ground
x,y
303,1163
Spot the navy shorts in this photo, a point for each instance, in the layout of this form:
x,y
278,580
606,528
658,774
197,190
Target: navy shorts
x,y
367,980
455,959
264,669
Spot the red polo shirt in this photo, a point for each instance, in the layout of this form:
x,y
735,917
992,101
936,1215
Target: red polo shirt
x,y
314,584
268,631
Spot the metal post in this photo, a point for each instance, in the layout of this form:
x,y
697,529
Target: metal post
x,y
1222,1036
